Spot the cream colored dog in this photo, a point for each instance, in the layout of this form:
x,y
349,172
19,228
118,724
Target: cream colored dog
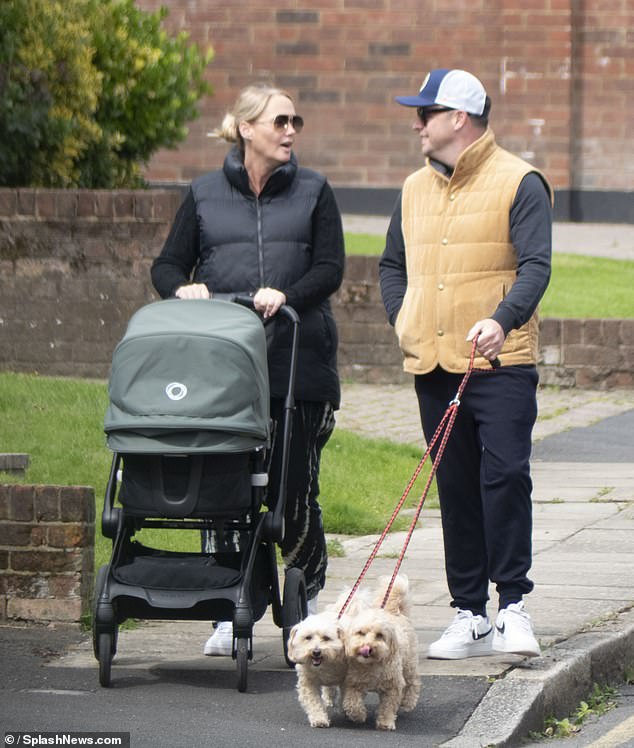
x,y
382,657
316,646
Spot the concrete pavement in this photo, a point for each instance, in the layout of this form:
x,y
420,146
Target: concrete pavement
x,y
582,605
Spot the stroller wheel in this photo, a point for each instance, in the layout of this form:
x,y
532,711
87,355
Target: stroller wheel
x,y
242,658
105,645
293,606
103,614
102,573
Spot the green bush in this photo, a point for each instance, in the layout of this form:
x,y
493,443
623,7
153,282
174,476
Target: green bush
x,y
150,88
89,90
49,90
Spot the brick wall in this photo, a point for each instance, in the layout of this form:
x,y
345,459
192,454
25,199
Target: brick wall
x,y
560,73
47,536
603,94
587,353
74,266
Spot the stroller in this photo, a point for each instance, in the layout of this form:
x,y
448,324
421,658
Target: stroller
x,y
188,423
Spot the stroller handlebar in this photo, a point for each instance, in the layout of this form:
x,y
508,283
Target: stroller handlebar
x,y
274,522
285,310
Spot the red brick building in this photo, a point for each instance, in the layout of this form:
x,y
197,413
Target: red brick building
x,y
560,73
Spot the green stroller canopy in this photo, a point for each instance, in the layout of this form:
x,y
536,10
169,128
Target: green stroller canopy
x,y
189,376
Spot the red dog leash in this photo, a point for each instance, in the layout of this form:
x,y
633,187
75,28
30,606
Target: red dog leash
x,y
442,432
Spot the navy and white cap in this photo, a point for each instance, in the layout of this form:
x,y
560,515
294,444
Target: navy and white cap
x,y
455,89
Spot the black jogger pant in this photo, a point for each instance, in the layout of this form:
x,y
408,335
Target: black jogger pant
x,y
484,480
304,543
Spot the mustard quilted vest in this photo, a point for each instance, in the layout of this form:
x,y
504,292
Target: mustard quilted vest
x,y
460,260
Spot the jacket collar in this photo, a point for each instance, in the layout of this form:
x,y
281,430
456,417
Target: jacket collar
x,y
470,159
238,177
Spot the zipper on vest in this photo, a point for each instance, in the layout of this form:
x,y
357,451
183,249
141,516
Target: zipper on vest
x,y
258,209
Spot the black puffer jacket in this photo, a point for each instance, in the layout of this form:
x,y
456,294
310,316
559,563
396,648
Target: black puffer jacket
x,y
289,238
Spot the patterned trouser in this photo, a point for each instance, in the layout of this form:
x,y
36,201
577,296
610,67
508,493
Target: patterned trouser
x,y
304,543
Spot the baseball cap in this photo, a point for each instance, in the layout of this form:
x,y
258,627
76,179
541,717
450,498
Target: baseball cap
x,y
456,89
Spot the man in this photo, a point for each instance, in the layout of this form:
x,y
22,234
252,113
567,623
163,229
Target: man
x,y
467,257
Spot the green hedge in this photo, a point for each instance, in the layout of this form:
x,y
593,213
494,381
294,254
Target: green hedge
x,y
89,90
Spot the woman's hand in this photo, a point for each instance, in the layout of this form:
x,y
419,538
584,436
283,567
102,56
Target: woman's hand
x,y
193,291
267,301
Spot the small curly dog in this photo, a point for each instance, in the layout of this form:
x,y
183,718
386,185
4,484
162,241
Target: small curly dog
x,y
367,649
381,649
316,646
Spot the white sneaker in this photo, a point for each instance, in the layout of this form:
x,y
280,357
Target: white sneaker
x,y
467,635
514,632
220,643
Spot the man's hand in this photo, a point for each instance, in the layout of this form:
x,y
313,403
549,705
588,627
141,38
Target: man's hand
x,y
490,338
268,301
193,291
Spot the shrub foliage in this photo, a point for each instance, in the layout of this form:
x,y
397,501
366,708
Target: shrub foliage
x,y
89,90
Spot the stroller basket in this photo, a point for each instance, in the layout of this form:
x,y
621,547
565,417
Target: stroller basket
x,y
182,572
193,486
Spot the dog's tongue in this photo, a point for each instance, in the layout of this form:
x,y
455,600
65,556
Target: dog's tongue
x,y
365,651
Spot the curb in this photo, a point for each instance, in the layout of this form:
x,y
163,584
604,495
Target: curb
x,y
553,684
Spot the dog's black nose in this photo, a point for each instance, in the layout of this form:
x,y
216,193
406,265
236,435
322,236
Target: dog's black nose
x,y
317,652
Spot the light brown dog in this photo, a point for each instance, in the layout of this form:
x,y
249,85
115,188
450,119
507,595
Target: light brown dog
x,y
382,657
316,645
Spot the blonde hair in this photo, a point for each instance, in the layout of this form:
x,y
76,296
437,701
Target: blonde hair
x,y
249,105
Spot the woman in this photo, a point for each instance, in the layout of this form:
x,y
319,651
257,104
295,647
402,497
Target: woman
x,y
265,226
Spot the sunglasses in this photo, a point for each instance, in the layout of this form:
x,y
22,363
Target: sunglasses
x,y
424,113
282,122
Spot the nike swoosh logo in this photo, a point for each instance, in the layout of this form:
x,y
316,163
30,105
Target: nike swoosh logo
x,y
500,628
480,636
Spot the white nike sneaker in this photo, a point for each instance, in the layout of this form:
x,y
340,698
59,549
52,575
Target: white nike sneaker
x,y
220,643
467,635
514,632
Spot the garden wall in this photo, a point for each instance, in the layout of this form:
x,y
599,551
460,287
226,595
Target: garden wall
x,y
47,538
74,266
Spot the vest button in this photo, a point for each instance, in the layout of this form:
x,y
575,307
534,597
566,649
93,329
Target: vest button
x,y
452,196
445,241
440,333
441,286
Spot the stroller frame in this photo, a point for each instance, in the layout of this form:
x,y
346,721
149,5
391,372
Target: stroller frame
x,y
248,577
